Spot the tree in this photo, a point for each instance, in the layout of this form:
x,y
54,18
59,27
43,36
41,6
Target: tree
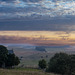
x,y
3,55
7,59
17,61
60,63
42,64
72,65
12,60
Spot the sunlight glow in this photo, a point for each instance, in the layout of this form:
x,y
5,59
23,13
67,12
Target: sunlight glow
x,y
39,37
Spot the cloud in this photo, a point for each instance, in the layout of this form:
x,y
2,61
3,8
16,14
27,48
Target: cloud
x,y
44,7
7,0
32,1
37,37
38,25
54,15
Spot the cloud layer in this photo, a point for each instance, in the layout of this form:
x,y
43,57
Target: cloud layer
x,y
38,37
56,14
49,8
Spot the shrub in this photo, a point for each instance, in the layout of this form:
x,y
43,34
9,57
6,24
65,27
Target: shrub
x,y
42,64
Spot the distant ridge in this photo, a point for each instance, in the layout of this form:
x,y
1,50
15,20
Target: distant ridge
x,y
64,46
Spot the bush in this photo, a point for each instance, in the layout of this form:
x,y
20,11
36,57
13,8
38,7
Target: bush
x,y
42,64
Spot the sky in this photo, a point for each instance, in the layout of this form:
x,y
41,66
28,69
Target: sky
x,y
39,22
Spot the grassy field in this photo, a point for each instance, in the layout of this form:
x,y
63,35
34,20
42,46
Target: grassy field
x,y
23,72
30,58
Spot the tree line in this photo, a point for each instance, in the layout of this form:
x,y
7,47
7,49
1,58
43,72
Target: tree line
x,y
60,63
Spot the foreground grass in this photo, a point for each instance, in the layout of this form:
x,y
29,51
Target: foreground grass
x,y
23,72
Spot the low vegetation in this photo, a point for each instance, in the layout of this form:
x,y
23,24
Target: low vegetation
x,y
23,72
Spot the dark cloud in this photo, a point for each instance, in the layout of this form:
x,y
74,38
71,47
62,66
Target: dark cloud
x,y
22,0
32,0
36,25
61,0
28,15
7,0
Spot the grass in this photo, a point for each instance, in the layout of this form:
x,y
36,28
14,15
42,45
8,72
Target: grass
x,y
26,69
32,60
23,72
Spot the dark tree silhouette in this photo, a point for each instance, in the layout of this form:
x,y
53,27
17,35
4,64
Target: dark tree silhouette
x,y
42,64
12,60
7,59
3,55
62,63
